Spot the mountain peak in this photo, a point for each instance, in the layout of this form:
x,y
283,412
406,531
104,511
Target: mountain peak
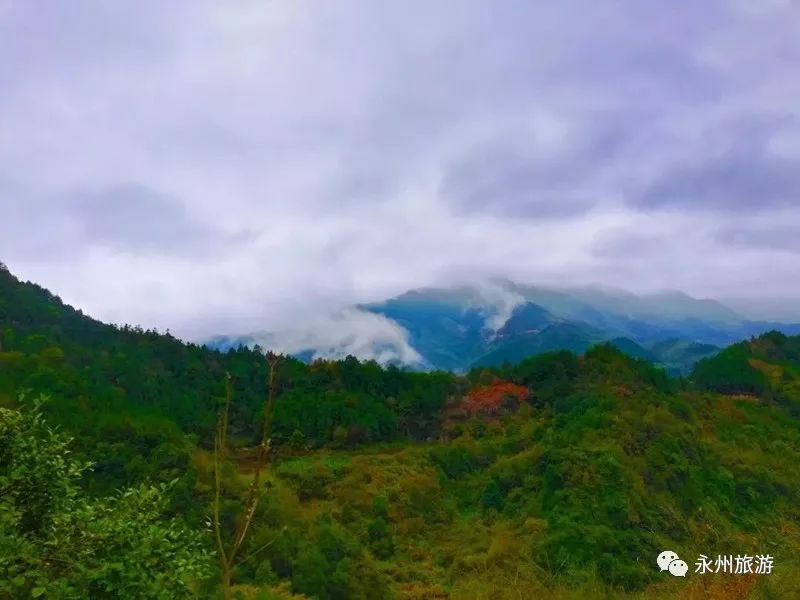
x,y
527,318
498,319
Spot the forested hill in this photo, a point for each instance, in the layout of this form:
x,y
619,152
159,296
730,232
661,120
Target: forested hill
x,y
110,382
765,366
562,476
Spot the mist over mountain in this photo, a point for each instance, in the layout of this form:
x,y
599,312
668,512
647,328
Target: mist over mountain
x,y
352,331
456,328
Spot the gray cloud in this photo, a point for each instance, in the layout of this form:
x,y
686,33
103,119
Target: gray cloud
x,y
743,175
780,237
504,182
126,218
529,174
215,168
621,244
133,218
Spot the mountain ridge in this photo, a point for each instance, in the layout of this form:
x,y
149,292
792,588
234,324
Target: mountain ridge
x,y
456,328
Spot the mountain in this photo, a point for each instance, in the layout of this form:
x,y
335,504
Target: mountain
x,y
634,350
678,356
575,337
528,319
461,327
447,327
559,473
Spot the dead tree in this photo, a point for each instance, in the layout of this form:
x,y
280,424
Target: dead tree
x,y
229,553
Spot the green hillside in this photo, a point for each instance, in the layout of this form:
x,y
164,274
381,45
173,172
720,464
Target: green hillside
x,y
679,356
557,336
560,476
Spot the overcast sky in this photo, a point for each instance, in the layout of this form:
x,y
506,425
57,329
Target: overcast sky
x,y
217,167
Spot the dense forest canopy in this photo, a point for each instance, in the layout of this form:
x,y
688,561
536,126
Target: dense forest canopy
x,y
559,476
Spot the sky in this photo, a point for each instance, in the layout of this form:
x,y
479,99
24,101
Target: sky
x,y
219,167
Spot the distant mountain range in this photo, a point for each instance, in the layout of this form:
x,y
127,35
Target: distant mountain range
x,y
464,327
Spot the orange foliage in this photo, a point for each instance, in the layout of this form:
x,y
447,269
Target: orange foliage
x,y
623,391
418,590
491,399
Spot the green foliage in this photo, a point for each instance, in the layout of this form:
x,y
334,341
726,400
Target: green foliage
x,y
110,383
571,496
550,375
380,538
57,543
492,496
730,372
462,457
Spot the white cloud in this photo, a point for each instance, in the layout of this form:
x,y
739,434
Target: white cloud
x,y
499,303
351,331
305,147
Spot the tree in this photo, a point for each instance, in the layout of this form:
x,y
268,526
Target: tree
x,y
57,543
492,496
380,538
229,551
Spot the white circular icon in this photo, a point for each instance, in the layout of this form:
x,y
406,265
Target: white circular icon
x,y
678,568
670,561
666,557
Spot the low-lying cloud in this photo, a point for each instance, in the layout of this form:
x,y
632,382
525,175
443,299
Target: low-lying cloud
x,y
351,331
498,303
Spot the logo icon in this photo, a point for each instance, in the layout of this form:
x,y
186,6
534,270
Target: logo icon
x,y
678,568
670,561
